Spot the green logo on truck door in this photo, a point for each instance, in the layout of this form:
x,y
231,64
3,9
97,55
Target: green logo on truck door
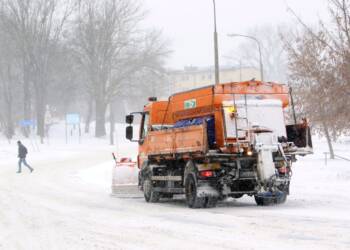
x,y
190,104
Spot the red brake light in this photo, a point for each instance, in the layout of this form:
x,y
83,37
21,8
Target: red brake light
x,y
207,173
283,170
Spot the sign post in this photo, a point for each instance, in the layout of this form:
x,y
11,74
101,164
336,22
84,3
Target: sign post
x,y
72,119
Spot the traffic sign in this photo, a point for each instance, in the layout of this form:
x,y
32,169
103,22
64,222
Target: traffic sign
x,y
26,123
72,119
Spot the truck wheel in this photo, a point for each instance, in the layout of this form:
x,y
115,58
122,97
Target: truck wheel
x,y
150,195
193,201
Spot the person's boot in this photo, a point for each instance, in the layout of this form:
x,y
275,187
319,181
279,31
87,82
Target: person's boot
x,y
18,172
32,169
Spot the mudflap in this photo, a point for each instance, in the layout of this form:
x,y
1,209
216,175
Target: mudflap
x,y
270,198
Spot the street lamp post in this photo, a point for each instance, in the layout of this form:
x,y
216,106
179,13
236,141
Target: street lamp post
x,y
216,49
260,55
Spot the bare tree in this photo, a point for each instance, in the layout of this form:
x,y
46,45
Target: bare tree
x,y
311,78
319,62
7,84
102,31
36,28
50,59
111,48
8,81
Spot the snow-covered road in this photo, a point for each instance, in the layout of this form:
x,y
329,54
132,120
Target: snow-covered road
x,y
57,208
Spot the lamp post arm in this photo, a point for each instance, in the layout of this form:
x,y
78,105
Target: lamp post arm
x,y
260,52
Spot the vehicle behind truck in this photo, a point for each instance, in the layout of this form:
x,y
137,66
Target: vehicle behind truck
x,y
220,141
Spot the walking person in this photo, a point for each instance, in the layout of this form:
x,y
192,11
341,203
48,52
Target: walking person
x,y
22,154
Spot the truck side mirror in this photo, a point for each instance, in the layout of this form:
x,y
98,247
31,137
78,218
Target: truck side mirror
x,y
129,133
129,119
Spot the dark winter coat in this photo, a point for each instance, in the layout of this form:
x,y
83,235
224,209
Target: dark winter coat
x,y
22,151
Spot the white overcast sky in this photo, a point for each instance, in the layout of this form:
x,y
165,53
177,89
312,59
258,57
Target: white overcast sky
x,y
188,24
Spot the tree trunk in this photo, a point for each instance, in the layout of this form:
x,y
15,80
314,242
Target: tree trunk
x,y
329,141
89,115
40,117
9,130
26,100
112,123
334,134
7,92
100,129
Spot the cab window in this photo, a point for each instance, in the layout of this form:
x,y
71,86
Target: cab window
x,y
144,128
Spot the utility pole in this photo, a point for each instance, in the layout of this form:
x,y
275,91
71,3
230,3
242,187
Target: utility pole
x,y
240,70
216,49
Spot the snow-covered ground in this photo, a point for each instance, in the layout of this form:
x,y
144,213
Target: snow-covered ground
x,y
66,204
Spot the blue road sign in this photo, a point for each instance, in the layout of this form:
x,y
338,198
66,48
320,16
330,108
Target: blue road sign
x,y
26,123
73,119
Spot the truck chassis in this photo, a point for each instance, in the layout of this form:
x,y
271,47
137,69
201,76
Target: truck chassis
x,y
208,179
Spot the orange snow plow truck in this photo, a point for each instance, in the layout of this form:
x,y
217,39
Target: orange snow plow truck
x,y
219,141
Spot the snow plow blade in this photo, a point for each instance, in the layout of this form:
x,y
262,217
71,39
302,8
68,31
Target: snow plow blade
x,y
125,179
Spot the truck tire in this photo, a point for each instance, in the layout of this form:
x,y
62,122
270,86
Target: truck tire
x,y
149,194
192,198
270,199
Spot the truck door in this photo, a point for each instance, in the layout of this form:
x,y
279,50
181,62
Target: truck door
x,y
144,129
